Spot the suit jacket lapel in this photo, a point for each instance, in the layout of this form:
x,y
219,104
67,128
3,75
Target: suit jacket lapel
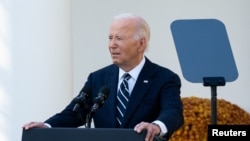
x,y
111,80
143,83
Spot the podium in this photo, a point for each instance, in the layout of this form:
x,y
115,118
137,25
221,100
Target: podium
x,y
82,134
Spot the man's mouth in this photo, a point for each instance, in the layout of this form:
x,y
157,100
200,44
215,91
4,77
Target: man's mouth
x,y
115,54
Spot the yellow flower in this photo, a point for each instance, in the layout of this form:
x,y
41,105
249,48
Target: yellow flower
x,y
197,117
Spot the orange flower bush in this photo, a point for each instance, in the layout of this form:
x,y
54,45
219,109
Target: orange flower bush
x,y
197,117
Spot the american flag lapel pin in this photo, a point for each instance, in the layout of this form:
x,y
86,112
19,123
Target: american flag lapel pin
x,y
145,81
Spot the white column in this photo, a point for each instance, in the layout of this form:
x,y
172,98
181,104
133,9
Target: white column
x,y
35,62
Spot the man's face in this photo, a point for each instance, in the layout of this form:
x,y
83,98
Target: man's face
x,y
123,46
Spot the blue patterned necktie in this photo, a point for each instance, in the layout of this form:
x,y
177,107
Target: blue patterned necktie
x,y
122,98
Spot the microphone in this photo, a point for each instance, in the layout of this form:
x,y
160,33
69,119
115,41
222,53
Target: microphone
x,y
99,100
83,95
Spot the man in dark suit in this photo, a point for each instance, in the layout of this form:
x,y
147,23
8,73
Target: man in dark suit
x,y
154,101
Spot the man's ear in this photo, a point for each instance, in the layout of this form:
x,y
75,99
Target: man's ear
x,y
141,44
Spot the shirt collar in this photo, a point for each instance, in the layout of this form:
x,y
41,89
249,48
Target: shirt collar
x,y
134,72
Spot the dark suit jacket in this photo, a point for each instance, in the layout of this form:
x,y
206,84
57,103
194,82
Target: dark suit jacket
x,y
156,96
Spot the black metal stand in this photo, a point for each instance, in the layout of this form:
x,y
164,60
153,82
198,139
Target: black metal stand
x,y
94,108
89,119
213,82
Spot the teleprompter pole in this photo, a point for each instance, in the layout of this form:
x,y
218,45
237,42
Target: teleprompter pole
x,y
213,82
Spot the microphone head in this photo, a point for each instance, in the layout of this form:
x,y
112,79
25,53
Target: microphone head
x,y
102,95
99,100
105,91
84,93
81,98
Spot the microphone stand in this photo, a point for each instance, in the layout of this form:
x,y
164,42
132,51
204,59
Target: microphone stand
x,y
88,119
98,101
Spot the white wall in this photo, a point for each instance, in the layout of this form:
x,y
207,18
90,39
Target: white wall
x,y
91,22
35,62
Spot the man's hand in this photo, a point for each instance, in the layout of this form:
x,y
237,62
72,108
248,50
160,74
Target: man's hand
x,y
30,125
152,130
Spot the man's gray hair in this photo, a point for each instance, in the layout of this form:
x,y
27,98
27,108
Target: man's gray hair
x,y
142,26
